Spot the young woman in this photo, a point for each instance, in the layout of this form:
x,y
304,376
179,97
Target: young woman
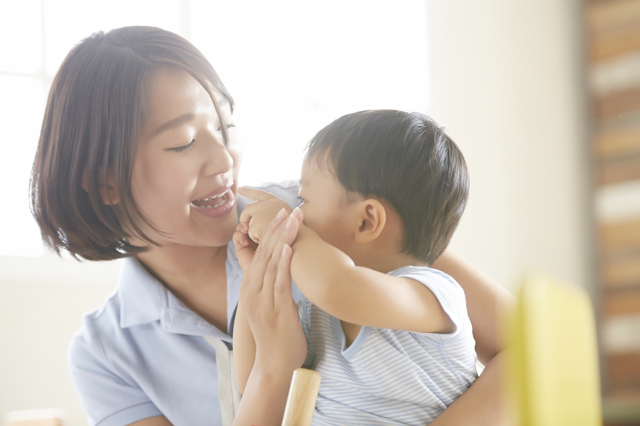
x,y
138,159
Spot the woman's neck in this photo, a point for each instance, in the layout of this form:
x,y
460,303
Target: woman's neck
x,y
195,275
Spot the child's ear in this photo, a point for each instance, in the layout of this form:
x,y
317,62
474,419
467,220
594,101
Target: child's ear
x,y
108,190
373,218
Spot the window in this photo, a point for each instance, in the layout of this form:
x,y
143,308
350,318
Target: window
x,y
291,66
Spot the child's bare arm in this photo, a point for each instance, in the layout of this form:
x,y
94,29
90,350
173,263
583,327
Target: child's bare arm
x,y
330,280
358,295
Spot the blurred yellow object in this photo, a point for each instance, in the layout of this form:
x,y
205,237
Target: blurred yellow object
x,y
553,356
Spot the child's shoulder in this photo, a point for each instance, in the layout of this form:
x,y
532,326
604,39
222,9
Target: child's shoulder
x,y
424,272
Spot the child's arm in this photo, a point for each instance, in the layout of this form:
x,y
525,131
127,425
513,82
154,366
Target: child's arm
x,y
362,296
358,295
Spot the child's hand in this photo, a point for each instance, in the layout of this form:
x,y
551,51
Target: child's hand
x,y
245,248
256,216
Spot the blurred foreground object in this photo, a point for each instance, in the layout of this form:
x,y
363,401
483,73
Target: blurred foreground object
x,y
302,398
41,417
553,356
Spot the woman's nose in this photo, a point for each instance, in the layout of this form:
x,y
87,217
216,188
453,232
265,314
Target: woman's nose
x,y
218,160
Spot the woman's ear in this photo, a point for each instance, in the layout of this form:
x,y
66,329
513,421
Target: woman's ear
x,y
108,190
373,218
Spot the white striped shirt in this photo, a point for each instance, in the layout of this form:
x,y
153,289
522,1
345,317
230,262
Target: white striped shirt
x,y
391,377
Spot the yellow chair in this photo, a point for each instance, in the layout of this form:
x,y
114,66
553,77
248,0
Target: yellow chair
x,y
553,367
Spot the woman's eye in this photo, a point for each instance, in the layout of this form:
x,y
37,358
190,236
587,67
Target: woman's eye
x,y
184,147
300,201
230,125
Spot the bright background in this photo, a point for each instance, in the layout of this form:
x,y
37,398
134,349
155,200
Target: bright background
x,y
505,78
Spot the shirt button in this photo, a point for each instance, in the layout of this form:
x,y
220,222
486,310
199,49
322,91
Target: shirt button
x,y
167,318
203,324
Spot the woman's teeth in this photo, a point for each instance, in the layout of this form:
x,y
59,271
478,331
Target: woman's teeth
x,y
206,202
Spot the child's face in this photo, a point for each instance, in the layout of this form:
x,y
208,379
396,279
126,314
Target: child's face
x,y
326,207
182,162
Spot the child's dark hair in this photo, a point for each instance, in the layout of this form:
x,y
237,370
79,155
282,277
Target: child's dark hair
x,y
405,159
94,115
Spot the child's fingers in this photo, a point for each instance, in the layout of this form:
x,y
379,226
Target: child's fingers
x,y
255,194
244,250
248,213
241,228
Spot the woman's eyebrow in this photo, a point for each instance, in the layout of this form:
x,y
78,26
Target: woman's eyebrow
x,y
173,123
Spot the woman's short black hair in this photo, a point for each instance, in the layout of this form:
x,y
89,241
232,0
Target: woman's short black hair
x,y
94,115
406,159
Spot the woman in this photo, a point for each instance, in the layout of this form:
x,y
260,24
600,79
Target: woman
x,y
138,159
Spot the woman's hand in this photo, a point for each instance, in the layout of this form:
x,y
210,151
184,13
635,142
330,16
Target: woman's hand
x,y
266,297
281,346
255,218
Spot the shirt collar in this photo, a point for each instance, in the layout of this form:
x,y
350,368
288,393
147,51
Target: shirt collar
x,y
142,297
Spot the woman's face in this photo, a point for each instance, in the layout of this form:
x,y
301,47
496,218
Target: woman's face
x,y
184,177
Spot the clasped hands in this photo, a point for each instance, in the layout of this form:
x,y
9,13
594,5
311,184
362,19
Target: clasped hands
x,y
265,292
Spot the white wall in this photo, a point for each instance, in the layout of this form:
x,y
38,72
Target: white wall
x,y
38,316
506,82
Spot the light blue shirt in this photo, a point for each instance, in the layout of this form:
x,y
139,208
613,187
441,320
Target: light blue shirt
x,y
143,353
391,377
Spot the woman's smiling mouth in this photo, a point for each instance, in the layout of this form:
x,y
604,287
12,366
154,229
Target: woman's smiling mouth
x,y
216,205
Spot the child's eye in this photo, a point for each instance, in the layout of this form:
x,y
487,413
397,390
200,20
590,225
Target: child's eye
x,y
184,147
300,201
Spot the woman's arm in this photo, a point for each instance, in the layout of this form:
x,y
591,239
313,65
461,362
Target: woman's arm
x,y
487,302
244,348
280,344
484,403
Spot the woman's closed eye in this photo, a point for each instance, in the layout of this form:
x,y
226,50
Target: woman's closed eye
x,y
301,201
229,125
183,147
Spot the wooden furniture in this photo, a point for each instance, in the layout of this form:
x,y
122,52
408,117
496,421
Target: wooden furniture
x,y
302,398
612,64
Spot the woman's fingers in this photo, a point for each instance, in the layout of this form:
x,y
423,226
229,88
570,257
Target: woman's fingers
x,y
286,236
276,240
282,290
263,254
